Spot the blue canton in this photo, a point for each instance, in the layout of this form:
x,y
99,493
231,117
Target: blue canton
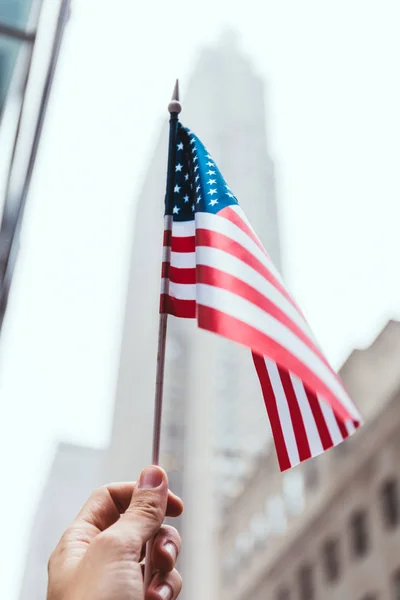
x,y
198,183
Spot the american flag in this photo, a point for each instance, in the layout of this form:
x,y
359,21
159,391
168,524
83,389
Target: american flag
x,y
216,270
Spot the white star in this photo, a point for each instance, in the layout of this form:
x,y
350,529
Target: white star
x,y
179,146
197,177
189,132
193,141
210,164
177,189
197,189
195,158
208,156
186,176
193,207
230,195
186,198
198,199
227,187
211,181
175,210
210,173
178,167
196,167
211,192
213,202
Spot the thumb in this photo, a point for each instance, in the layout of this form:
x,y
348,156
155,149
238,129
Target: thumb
x,y
146,511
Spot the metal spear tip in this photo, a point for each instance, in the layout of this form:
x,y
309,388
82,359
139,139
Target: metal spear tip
x,y
175,106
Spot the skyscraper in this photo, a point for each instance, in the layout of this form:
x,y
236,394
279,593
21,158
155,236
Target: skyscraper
x,y
76,471
14,13
214,419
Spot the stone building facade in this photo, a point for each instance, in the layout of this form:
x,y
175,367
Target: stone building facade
x,y
329,529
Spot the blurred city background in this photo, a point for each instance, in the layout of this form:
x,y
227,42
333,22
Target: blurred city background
x,y
298,103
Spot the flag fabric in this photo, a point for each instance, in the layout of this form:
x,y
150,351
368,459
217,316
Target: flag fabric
x,y
216,270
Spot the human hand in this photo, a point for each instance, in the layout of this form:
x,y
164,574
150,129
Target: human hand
x,y
98,557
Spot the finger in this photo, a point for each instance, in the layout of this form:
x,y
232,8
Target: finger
x,y
166,548
146,511
106,504
165,586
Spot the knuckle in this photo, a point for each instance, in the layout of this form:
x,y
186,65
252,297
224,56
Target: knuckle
x,y
146,507
98,494
173,534
117,542
108,541
178,583
168,534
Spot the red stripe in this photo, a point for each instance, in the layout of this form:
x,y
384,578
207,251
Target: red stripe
x,y
230,215
177,275
167,237
221,279
238,331
183,244
237,220
320,422
300,433
165,269
186,309
212,239
272,410
342,428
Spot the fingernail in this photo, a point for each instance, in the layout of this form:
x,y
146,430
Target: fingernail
x,y
171,549
151,477
164,591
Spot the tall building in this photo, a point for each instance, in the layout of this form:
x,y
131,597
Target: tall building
x,y
331,527
14,13
214,419
75,473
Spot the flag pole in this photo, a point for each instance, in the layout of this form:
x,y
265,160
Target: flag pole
x,y
174,108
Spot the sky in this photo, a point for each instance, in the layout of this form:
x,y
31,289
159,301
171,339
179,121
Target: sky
x,y
333,92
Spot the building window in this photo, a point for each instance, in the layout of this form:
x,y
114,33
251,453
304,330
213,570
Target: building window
x,y
359,533
390,506
331,560
306,583
396,585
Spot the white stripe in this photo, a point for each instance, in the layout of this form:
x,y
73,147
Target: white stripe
x,y
218,259
164,288
313,437
330,421
183,260
168,220
283,411
182,291
236,208
350,427
183,228
245,311
227,228
166,253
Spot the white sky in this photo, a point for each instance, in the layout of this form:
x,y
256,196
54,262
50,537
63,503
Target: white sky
x,y
334,126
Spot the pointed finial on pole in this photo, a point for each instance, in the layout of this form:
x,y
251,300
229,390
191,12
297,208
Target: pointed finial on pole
x,y
175,106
